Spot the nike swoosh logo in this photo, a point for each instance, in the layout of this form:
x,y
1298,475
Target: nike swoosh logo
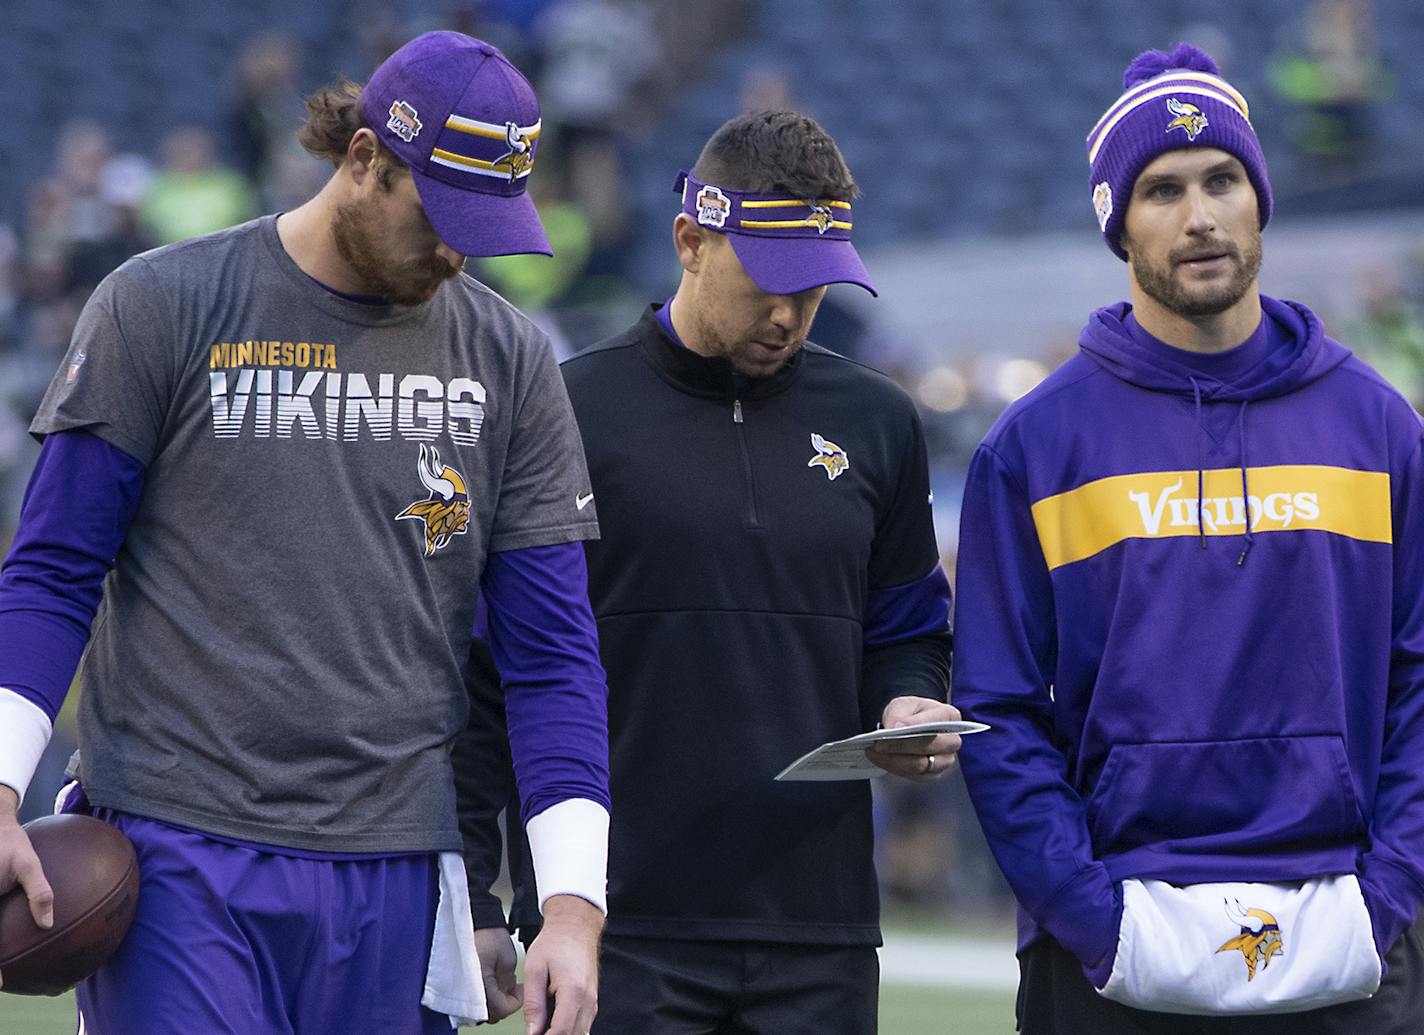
x,y
583,501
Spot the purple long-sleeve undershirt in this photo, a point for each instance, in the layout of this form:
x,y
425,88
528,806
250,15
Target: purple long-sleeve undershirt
x,y
918,608
77,508
545,644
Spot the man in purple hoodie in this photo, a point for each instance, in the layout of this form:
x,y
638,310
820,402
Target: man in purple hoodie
x,y
1191,604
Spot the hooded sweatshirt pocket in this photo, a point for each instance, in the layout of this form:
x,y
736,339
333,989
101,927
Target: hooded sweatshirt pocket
x,y
1224,796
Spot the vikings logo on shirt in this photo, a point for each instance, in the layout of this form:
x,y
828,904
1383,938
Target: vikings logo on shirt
x,y
1189,118
1259,940
829,456
713,207
403,122
447,512
520,156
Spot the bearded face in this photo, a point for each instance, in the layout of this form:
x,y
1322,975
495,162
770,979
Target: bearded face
x,y
389,243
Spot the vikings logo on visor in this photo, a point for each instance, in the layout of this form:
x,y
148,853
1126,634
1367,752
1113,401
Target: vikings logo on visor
x,y
786,244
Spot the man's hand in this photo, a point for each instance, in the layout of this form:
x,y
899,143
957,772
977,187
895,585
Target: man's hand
x,y
19,864
503,995
920,759
562,967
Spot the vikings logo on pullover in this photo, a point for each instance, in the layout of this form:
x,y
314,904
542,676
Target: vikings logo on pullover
x,y
1191,604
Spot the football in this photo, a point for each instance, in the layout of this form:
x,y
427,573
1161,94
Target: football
x,y
94,873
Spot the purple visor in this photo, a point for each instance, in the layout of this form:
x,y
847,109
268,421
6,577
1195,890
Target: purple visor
x,y
786,244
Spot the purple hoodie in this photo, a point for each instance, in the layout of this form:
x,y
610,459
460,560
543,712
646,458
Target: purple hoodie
x,y
1176,695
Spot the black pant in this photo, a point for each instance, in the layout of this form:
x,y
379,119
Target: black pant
x,y
655,986
1056,999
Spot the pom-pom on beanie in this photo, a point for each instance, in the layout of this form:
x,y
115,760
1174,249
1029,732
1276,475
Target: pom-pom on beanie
x,y
1170,101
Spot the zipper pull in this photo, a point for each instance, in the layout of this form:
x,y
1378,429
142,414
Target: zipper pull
x,y
736,411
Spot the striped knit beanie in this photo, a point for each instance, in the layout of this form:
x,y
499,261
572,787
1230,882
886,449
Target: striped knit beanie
x,y
1170,101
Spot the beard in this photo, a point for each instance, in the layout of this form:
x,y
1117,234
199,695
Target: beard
x,y
406,282
746,357
1161,282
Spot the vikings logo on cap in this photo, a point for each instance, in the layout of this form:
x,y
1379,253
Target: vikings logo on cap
x,y
1259,940
821,217
403,122
519,142
1188,117
829,456
713,207
446,512
519,159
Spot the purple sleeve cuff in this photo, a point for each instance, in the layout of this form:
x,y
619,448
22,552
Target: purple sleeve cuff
x,y
1392,899
545,645
1084,916
904,612
76,512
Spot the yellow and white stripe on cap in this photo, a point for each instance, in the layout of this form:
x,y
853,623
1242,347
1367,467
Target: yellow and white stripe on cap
x,y
1177,81
517,161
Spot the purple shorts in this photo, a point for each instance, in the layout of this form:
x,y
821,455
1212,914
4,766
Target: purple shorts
x,y
232,940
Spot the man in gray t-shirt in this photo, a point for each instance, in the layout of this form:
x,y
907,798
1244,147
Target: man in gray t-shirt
x,y
292,453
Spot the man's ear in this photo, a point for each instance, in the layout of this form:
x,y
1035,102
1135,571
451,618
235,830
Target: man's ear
x,y
689,240
362,155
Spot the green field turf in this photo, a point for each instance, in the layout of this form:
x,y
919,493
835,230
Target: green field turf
x,y
904,1010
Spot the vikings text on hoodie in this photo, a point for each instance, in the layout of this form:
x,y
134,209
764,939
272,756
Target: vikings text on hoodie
x,y
1178,692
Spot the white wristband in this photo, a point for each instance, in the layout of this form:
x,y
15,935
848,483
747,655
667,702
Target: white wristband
x,y
24,731
569,843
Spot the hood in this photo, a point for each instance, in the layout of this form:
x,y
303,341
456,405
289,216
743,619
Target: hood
x,y
1308,356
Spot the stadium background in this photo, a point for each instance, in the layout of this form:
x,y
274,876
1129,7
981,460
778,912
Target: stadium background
x,y
134,124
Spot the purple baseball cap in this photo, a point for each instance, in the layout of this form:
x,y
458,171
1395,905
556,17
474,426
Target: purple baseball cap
x,y
464,120
786,244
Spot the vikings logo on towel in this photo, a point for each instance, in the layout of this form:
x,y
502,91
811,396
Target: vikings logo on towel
x,y
1259,940
829,456
1189,118
446,512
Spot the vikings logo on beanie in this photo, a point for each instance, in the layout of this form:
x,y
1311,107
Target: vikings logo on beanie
x,y
1171,101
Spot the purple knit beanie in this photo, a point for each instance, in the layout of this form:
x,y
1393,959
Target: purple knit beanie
x,y
1171,101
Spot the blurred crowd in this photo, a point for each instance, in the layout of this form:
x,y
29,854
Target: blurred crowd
x,y
606,72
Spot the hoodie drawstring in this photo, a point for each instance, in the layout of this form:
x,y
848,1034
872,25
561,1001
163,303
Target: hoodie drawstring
x,y
1201,466
1201,476
1245,494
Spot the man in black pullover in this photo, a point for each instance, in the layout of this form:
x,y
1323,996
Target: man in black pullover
x,y
767,580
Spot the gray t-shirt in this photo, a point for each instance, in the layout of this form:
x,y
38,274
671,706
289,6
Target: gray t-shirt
x,y
278,654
